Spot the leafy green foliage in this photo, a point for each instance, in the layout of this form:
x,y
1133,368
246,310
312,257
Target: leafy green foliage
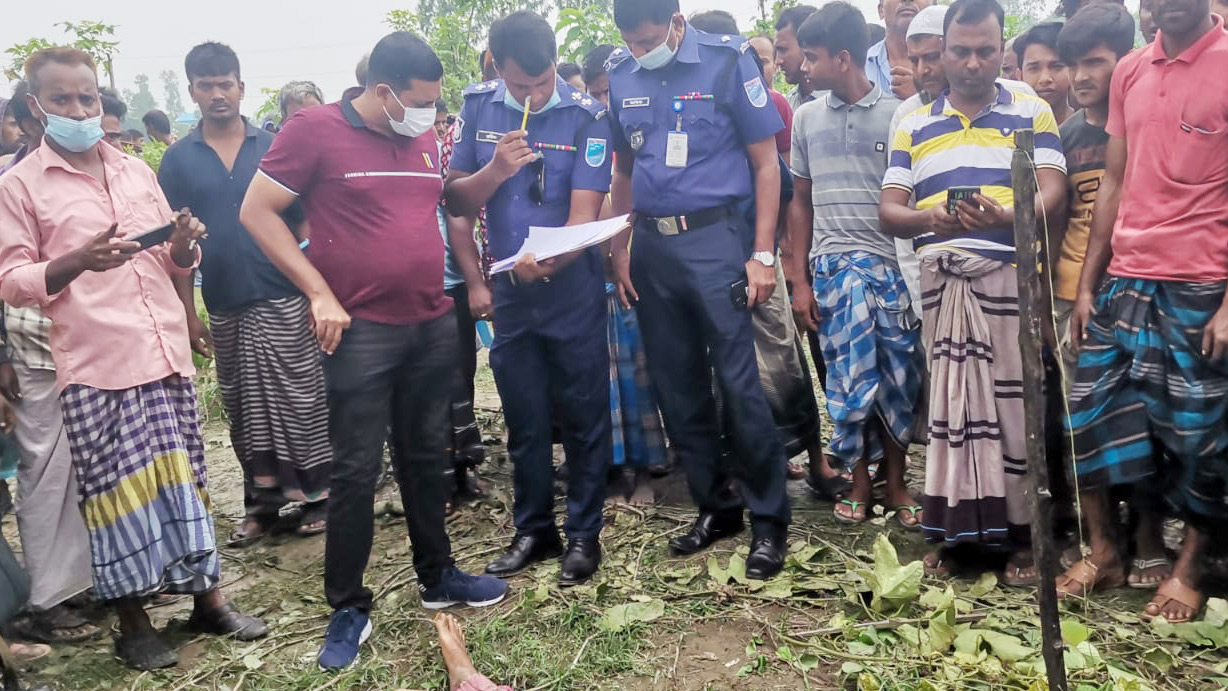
x,y
20,52
765,23
170,89
95,38
270,107
581,29
152,152
139,102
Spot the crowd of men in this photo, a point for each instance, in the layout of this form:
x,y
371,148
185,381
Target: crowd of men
x,y
345,260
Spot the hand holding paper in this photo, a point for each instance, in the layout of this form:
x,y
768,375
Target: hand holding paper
x,y
547,243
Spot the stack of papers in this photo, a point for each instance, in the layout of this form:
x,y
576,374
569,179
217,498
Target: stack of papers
x,y
547,243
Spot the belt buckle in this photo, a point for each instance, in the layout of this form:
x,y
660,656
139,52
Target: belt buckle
x,y
668,226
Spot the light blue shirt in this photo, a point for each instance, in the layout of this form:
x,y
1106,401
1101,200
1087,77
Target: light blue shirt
x,y
878,66
452,276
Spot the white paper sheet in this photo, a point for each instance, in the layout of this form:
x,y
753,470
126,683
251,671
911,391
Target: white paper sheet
x,y
546,243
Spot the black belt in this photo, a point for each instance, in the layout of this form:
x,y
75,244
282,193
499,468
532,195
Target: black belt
x,y
677,225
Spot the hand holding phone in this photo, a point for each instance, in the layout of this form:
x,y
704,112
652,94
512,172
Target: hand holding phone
x,y
739,293
955,195
151,238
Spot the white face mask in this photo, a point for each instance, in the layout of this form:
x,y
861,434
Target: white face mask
x,y
415,122
660,56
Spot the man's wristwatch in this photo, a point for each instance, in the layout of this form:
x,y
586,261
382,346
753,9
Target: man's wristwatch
x,y
767,259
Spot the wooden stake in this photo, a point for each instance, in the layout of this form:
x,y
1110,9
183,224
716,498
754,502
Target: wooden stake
x,y
1030,275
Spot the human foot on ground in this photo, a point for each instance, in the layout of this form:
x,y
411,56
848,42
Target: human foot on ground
x,y
907,509
1148,571
56,625
796,471
938,564
455,654
642,494
1020,569
854,508
1178,598
251,529
1098,570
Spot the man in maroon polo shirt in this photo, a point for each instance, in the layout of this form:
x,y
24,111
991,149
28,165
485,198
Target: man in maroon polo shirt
x,y
367,173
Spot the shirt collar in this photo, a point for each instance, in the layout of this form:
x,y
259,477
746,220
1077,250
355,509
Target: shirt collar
x,y
1005,98
878,53
1193,52
867,101
249,132
49,158
352,116
688,50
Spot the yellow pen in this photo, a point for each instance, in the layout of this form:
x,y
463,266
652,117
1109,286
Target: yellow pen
x,y
524,122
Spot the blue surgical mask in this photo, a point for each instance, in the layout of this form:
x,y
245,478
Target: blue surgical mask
x,y
555,99
660,56
74,135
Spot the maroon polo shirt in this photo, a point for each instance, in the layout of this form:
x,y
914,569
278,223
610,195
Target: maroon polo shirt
x,y
371,201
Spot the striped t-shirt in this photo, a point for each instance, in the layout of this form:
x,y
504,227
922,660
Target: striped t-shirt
x,y
936,148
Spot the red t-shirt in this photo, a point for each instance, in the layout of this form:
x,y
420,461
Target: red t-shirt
x,y
371,201
1172,223
784,138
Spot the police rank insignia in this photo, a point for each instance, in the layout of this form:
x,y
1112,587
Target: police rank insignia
x,y
594,153
756,92
459,130
637,140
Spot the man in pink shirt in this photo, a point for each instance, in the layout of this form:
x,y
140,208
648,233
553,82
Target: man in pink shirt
x,y
69,216
1153,333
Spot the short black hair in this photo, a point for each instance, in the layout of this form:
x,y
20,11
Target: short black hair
x,y
878,32
401,57
211,59
18,106
1102,23
837,26
526,38
1044,34
156,120
113,106
360,70
630,14
715,22
973,12
441,106
794,17
567,70
134,134
594,62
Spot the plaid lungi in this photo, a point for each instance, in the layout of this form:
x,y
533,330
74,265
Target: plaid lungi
x,y
1142,379
638,439
272,383
140,465
871,344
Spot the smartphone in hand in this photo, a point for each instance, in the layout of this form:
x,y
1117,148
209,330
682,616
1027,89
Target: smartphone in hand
x,y
960,194
152,238
739,293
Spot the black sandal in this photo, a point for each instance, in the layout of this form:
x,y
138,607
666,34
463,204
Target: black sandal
x,y
227,620
145,651
56,625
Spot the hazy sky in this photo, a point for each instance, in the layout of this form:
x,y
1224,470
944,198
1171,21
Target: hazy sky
x,y
320,40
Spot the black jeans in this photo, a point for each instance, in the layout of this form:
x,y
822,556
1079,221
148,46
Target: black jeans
x,y
465,433
381,377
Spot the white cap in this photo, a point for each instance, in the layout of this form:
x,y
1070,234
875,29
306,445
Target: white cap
x,y
927,22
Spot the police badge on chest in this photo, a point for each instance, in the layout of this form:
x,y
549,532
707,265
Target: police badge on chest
x,y
637,140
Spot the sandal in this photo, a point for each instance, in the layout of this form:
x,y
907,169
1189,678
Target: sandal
x,y
915,524
832,488
227,620
1138,566
313,522
854,506
251,530
56,625
26,654
1173,590
1084,577
145,651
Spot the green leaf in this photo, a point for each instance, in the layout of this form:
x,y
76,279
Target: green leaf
x,y
984,585
716,573
1074,632
620,617
1006,647
252,662
807,662
778,589
816,585
1159,658
891,583
851,668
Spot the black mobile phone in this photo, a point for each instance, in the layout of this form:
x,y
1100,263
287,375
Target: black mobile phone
x,y
739,293
958,194
152,238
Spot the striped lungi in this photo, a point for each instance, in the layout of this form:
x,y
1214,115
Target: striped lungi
x,y
1142,379
140,465
871,345
975,462
783,371
639,441
272,383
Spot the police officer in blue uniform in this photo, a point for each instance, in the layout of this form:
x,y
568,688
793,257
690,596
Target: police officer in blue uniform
x,y
690,110
550,351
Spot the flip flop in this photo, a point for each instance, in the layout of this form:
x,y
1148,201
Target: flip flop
x,y
854,505
1173,590
1086,577
1137,566
913,511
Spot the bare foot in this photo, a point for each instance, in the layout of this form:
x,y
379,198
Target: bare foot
x,y
455,654
938,564
642,494
796,471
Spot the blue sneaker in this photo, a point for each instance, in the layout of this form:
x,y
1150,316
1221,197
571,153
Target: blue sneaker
x,y
457,587
347,631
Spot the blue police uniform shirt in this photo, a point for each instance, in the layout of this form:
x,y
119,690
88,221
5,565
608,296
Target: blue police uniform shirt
x,y
725,107
573,138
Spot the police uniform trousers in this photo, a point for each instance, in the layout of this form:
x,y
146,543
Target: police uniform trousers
x,y
551,353
691,328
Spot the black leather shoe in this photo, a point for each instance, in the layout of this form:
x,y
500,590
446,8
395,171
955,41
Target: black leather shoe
x,y
525,551
580,562
709,527
767,557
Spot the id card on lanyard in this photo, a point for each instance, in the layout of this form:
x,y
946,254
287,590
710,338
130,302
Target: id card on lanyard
x,y
676,149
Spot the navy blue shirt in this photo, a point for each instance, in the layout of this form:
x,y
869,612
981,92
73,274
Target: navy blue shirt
x,y
234,270
732,111
573,138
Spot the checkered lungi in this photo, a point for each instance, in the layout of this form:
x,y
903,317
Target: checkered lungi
x,y
140,465
1142,379
870,343
639,441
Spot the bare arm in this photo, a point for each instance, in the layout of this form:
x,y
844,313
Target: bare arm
x,y
1100,237
621,203
799,237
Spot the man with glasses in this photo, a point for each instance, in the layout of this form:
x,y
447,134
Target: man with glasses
x,y
550,350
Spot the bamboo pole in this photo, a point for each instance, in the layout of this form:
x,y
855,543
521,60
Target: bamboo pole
x,y
1030,275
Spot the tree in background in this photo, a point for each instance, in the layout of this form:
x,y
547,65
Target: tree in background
x,y
139,102
170,90
94,38
765,23
584,27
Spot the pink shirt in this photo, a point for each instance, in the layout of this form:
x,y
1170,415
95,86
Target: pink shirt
x,y
113,330
1172,224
